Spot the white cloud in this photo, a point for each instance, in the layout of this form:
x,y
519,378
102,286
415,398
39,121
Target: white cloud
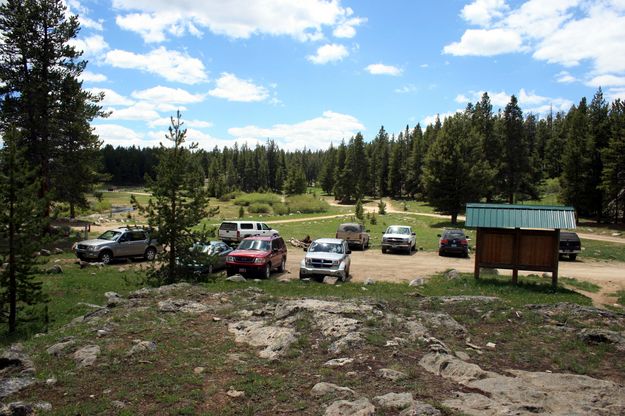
x,y
462,99
530,102
606,81
140,111
431,119
316,133
117,135
482,42
160,94
328,53
166,122
88,76
481,12
347,28
406,89
239,19
235,89
91,46
75,7
564,77
381,69
172,65
111,98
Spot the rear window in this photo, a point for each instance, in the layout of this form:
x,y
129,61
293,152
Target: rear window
x,y
350,228
228,226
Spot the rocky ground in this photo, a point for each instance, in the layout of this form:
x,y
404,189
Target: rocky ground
x,y
181,349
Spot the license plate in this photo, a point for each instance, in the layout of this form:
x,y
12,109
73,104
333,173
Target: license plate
x,y
453,245
241,270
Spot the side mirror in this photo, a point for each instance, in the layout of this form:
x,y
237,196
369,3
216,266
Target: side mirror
x,y
348,252
438,235
367,231
413,233
305,248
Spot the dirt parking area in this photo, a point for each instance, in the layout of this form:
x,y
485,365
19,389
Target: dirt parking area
x,y
403,268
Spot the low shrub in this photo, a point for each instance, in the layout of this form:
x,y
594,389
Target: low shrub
x,y
280,209
306,204
259,208
230,196
256,198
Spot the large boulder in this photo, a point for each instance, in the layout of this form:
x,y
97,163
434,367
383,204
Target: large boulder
x,y
87,356
394,401
275,339
360,407
323,389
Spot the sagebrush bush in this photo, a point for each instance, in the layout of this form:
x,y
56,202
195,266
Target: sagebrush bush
x,y
259,208
257,198
280,209
306,204
229,196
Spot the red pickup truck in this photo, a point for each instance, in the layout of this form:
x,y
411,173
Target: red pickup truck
x,y
257,256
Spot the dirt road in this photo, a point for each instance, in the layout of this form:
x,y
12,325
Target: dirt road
x,y
403,268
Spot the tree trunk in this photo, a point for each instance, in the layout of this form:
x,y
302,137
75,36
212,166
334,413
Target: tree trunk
x,y
72,210
454,218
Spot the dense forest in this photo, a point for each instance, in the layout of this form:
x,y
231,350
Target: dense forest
x,y
473,155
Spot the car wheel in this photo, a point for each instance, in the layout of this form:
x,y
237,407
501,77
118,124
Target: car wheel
x,y
362,246
383,250
150,254
301,275
267,271
106,257
414,248
367,244
440,252
210,269
282,265
572,257
229,272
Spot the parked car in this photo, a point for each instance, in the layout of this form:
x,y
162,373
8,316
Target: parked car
x,y
355,234
212,257
118,243
399,237
326,257
236,231
570,245
453,241
257,255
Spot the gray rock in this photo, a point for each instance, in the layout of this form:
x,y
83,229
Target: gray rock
x,y
141,293
394,401
86,356
275,339
441,321
323,389
59,348
117,404
419,281
113,299
338,362
291,307
182,305
450,367
335,326
421,409
142,346
58,250
452,274
346,343
391,374
602,336
462,355
360,407
236,278
489,271
235,394
45,252
416,330
55,269
459,299
330,280
369,281
12,385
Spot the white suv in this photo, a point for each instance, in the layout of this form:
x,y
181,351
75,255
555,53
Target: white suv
x,y
235,231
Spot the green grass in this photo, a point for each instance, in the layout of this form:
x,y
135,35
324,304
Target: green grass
x,y
578,284
306,204
620,297
602,250
257,198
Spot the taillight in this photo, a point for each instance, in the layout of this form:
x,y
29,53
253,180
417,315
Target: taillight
x,y
463,242
238,234
444,241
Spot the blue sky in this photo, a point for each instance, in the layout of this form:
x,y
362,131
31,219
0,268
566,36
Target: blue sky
x,y
312,72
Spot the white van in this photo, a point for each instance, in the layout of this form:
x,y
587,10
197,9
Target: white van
x,y
235,231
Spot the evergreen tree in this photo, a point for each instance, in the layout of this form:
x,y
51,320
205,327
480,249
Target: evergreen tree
x,y
599,130
20,224
359,210
415,162
179,202
455,171
613,158
355,175
341,182
39,71
327,174
379,163
295,182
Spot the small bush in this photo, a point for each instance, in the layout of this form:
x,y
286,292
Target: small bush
x,y
280,209
359,210
259,208
306,204
230,196
373,220
241,212
246,200
381,207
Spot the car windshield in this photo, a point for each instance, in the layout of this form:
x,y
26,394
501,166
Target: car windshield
x,y
454,234
254,245
326,248
110,235
398,230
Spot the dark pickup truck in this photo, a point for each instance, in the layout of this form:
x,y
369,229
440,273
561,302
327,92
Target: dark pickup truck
x,y
570,245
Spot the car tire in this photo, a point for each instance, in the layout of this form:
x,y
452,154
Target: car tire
x,y
150,254
367,244
105,257
229,272
301,275
572,257
414,248
282,266
440,253
383,250
267,271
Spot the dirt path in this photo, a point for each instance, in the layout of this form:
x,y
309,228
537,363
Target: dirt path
x,y
403,268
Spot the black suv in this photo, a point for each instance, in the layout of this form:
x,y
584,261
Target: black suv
x,y
453,241
570,245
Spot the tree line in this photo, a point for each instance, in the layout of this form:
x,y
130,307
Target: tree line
x,y
473,155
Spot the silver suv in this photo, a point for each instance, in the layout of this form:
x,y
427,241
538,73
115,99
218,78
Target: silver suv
x,y
117,243
326,257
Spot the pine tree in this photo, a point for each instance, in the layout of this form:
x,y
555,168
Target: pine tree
x,y
599,129
179,202
455,171
20,225
613,158
327,174
359,210
341,183
415,162
295,182
379,163
39,70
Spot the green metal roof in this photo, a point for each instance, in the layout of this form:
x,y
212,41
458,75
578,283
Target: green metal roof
x,y
520,216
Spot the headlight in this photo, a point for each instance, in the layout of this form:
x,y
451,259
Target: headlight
x,y
308,262
336,262
260,260
230,258
91,248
